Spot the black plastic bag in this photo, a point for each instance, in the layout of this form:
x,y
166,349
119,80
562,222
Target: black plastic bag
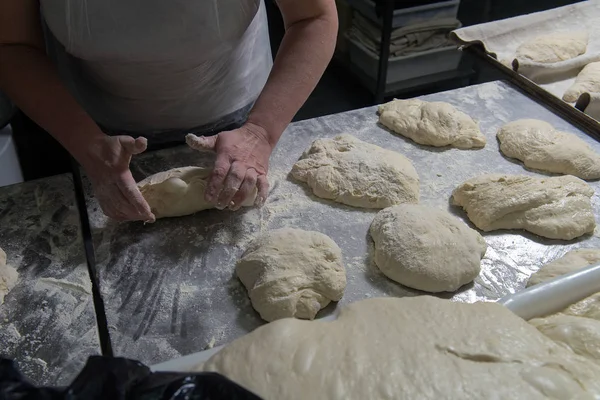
x,y
123,379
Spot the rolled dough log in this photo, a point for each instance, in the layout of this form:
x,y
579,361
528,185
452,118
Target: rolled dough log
x,y
8,277
425,248
350,171
553,47
292,273
542,147
588,81
431,123
179,191
572,261
556,207
407,348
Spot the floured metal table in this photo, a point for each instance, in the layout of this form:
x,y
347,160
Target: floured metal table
x,y
170,287
47,321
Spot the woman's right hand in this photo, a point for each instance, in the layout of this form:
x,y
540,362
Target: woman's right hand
x,y
106,163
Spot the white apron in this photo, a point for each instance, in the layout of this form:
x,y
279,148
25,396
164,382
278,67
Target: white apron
x,y
150,66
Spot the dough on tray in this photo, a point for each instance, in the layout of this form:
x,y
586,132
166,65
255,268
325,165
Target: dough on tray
x,y
557,207
8,277
292,273
588,81
588,308
179,191
542,147
407,348
553,47
572,261
350,171
425,248
431,123
581,335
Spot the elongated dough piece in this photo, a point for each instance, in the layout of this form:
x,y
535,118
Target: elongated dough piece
x,y
588,81
542,147
557,207
570,262
554,47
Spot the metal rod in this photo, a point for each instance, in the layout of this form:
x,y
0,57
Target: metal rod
x,y
384,50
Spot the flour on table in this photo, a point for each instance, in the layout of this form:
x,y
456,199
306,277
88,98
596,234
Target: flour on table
x,y
292,273
426,248
431,123
553,47
179,191
573,261
588,81
350,171
556,207
8,277
542,147
407,348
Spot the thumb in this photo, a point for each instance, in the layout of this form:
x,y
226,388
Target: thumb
x,y
202,142
131,145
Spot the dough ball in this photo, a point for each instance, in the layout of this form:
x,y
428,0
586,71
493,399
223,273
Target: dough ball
x,y
350,171
431,123
572,261
407,348
292,273
8,277
179,191
553,47
540,146
425,248
581,335
557,207
588,81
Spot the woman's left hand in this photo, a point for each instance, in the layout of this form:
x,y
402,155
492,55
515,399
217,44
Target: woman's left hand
x,y
241,165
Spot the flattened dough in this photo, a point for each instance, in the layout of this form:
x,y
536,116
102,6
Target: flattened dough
x,y
553,47
8,277
350,171
179,191
431,123
581,335
556,207
588,81
425,248
407,348
292,273
542,147
588,307
572,261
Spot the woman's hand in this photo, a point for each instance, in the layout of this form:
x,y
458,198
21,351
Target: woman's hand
x,y
241,165
106,162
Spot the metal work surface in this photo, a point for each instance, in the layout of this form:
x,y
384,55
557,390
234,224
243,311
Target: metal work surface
x,y
170,287
47,321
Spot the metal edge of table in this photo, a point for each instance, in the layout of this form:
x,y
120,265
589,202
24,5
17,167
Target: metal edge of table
x,y
569,113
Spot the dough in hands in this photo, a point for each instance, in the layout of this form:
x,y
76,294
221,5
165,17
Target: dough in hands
x,y
553,48
292,273
350,171
542,147
425,248
179,191
588,81
581,335
572,261
8,277
431,123
556,207
407,348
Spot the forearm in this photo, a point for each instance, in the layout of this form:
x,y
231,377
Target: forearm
x,y
28,77
304,53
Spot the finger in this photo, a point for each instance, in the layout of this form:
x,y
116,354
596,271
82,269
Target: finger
x,y
217,178
138,206
232,184
201,142
263,190
247,187
131,145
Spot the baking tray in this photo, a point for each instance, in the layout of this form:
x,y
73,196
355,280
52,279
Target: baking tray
x,y
537,301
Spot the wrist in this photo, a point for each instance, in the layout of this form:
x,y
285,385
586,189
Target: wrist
x,y
87,149
260,132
